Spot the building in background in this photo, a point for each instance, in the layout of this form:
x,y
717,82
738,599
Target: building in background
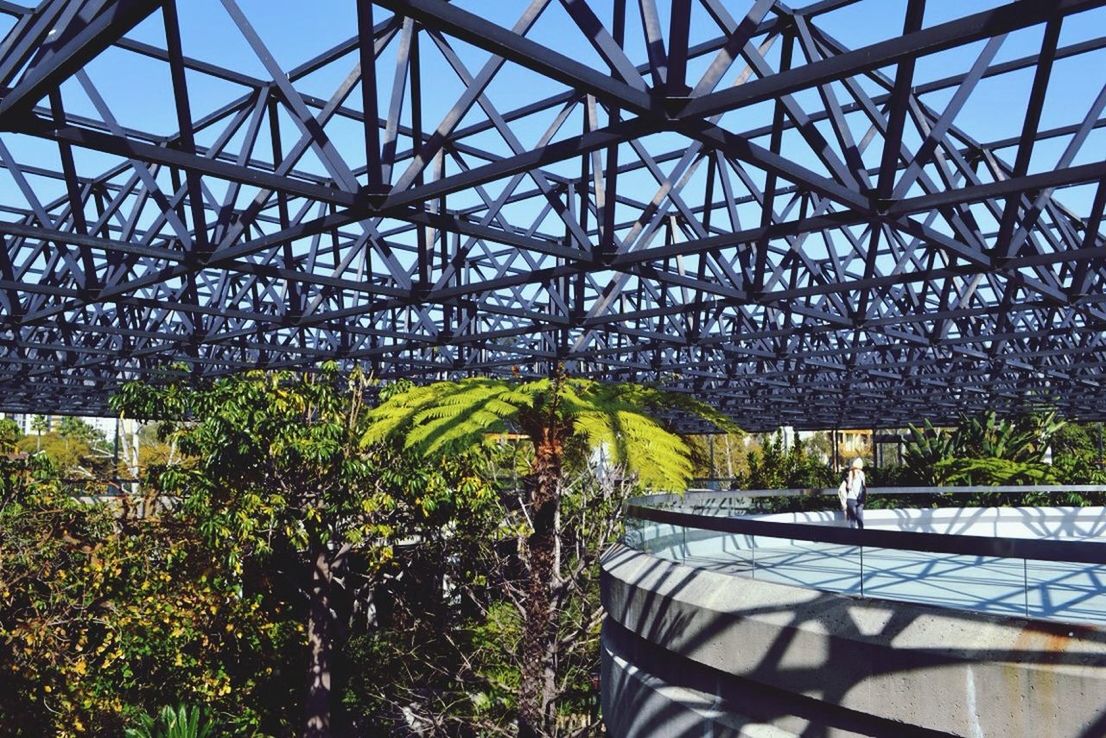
x,y
26,422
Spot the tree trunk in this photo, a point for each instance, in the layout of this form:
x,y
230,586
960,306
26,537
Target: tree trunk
x,y
729,459
537,678
320,642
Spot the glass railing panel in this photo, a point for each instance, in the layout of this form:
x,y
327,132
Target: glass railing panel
x,y
829,567
1065,590
963,582
1009,585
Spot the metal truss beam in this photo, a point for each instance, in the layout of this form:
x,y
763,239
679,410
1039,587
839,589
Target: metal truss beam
x,y
750,208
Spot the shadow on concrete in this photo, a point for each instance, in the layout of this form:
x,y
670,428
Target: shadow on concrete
x,y
695,646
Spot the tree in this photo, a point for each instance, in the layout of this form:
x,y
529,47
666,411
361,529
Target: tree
x,y
272,473
446,660
717,456
39,424
559,416
103,617
75,447
9,435
79,430
775,467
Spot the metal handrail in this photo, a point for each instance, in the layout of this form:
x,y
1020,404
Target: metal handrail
x,y
1087,552
894,491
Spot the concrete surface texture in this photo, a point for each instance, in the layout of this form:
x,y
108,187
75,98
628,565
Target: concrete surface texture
x,y
693,652
694,646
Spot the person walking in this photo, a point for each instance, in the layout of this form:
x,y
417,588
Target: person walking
x,y
856,493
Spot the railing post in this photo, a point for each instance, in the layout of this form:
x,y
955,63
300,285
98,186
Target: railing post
x,y
862,570
1025,581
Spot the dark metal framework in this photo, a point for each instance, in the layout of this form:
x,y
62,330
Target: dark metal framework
x,y
720,196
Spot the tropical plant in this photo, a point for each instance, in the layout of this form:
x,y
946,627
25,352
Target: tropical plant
x,y
989,470
983,449
39,424
448,662
926,447
169,723
559,416
1077,457
1024,439
9,435
270,473
775,467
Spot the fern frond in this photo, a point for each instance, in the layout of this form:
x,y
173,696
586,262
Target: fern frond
x,y
620,417
388,418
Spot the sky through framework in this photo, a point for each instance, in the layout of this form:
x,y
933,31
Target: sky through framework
x,y
839,213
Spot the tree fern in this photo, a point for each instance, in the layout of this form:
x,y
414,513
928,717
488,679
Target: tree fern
x,y
556,414
622,418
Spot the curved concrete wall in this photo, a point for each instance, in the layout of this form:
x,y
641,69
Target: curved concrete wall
x,y
690,652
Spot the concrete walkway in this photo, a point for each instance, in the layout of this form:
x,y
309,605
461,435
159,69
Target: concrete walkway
x,y
1040,589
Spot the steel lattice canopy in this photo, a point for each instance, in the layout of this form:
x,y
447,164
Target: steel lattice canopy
x,y
847,213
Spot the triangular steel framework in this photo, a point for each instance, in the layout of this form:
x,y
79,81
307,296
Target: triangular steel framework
x,y
728,198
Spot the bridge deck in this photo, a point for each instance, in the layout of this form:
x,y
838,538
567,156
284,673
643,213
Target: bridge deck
x,y
1040,589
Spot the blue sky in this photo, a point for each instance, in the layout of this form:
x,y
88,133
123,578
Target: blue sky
x,y
138,92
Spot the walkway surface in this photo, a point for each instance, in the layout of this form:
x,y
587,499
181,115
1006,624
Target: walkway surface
x,y
1040,589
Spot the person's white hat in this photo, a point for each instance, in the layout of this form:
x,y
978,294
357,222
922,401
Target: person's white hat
x,y
858,463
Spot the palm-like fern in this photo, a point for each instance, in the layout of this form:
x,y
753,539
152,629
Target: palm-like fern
x,y
436,418
552,413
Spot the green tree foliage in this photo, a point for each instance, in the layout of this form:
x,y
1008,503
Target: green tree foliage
x,y
555,415
775,467
442,417
10,434
983,450
448,661
102,616
273,476
718,455
771,466
73,446
79,430
73,457
1076,455
181,722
